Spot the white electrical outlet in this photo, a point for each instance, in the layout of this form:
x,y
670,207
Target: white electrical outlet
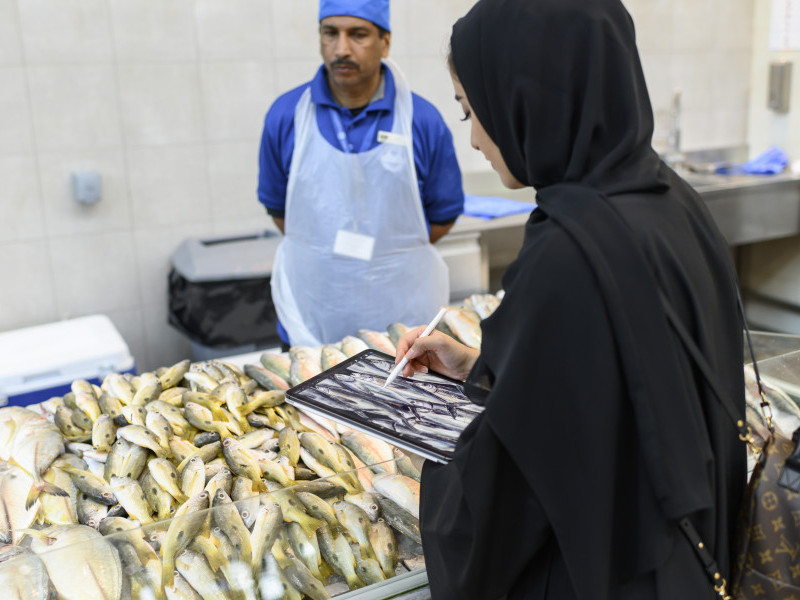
x,y
86,186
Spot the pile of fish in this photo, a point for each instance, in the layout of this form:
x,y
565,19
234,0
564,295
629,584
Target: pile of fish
x,y
199,481
142,459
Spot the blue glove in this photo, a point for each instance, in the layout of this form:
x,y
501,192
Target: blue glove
x,y
770,162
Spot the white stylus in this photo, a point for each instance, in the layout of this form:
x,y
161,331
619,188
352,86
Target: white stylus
x,y
431,326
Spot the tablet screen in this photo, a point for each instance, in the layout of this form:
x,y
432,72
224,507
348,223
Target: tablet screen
x,y
424,414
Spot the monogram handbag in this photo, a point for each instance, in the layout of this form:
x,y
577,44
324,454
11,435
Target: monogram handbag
x,y
768,558
767,563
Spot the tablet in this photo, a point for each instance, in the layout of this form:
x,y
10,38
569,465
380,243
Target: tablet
x,y
423,414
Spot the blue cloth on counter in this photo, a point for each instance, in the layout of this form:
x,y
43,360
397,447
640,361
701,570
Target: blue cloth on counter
x,y
770,162
491,207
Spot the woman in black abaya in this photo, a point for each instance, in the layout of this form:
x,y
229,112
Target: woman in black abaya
x,y
598,435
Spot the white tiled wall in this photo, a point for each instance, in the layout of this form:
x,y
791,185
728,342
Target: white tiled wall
x,y
772,269
166,101
765,126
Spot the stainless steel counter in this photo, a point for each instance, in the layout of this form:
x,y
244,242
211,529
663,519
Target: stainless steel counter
x,y
750,209
747,209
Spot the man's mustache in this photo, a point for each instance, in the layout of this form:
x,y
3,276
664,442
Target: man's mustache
x,y
343,62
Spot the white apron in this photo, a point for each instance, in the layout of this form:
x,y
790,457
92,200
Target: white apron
x,y
356,253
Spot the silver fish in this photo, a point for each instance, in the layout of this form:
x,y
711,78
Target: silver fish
x,y
37,443
266,528
351,345
330,356
384,543
119,387
90,512
403,490
356,523
165,475
172,376
185,524
14,486
368,569
131,497
272,584
280,364
336,551
242,463
90,484
377,340
141,436
103,433
246,500
194,568
158,499
397,330
399,518
466,324
266,378
368,502
306,548
22,575
301,578
227,518
80,562
193,477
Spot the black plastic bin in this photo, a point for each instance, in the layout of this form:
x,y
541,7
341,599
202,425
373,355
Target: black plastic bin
x,y
219,294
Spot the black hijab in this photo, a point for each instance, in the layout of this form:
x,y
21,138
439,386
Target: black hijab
x,y
558,86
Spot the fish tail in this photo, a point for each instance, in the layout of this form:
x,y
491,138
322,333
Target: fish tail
x,y
354,582
168,572
39,487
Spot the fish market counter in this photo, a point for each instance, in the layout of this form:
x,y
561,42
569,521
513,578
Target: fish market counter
x,y
281,505
748,209
498,239
199,480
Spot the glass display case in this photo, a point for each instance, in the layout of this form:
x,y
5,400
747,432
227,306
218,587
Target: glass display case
x,y
294,529
768,345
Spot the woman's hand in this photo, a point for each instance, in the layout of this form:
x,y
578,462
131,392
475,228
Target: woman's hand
x,y
437,351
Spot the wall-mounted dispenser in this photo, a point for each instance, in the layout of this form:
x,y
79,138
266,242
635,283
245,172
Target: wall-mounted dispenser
x,y
780,84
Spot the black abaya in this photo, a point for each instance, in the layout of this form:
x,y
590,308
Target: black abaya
x,y
597,434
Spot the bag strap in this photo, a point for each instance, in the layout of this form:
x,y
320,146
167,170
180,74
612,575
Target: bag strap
x,y
700,360
686,526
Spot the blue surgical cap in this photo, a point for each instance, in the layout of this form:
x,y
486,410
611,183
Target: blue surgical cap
x,y
376,11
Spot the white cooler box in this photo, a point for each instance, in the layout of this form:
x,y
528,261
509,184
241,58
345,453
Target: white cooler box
x,y
37,363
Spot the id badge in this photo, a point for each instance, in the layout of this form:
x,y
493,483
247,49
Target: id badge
x,y
353,245
387,137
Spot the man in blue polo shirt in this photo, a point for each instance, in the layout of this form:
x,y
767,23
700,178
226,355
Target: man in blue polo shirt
x,y
361,176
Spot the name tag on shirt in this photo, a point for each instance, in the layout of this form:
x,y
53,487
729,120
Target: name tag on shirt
x,y
387,137
353,245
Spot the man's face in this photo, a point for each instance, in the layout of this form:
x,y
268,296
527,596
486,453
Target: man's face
x,y
352,50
